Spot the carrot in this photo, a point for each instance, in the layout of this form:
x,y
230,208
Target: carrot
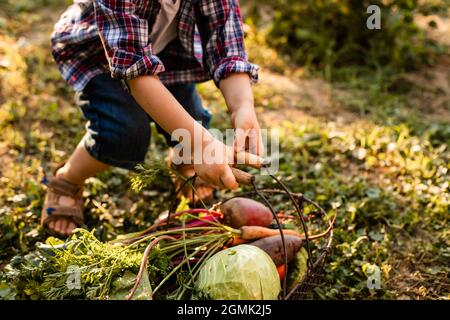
x,y
256,232
281,271
273,246
237,241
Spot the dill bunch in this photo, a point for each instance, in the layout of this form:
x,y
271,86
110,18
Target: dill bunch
x,y
48,272
149,174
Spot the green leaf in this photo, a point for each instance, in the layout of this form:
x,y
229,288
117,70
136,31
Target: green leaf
x,y
122,286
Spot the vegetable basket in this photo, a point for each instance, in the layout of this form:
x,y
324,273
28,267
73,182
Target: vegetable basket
x,y
303,214
171,259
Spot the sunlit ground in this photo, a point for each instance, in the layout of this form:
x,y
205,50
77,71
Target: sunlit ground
x,y
379,160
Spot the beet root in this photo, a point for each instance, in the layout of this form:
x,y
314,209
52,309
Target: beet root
x,y
240,212
273,246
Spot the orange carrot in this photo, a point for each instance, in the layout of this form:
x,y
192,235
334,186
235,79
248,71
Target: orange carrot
x,y
238,240
281,271
256,232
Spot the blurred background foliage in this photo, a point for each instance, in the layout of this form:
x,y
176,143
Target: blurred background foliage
x,y
322,34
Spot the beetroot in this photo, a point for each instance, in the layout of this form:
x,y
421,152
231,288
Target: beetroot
x,y
273,246
240,212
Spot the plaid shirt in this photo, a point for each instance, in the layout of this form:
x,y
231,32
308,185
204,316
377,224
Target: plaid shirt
x,y
101,36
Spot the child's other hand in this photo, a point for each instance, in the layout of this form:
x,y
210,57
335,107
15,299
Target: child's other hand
x,y
247,132
216,159
217,174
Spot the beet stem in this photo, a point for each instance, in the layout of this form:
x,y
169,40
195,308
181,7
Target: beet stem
x,y
281,233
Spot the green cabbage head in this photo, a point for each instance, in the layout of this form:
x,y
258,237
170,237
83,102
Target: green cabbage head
x,y
243,272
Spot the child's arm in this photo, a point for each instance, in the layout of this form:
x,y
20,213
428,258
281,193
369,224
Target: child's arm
x,y
123,30
159,103
220,27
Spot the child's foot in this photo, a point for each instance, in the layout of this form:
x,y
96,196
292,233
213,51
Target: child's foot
x,y
63,207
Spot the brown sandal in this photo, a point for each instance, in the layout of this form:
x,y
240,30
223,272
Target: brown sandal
x,y
52,210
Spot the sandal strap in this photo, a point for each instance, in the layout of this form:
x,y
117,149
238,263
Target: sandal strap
x,y
63,187
72,213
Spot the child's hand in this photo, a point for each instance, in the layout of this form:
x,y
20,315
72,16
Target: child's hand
x,y
217,158
214,165
238,96
247,132
159,103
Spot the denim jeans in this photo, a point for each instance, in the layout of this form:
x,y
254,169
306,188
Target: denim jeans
x,y
118,129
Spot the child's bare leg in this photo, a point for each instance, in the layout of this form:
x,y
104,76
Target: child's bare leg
x,y
80,166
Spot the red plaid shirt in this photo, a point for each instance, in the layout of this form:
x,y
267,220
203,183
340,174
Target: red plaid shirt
x,y
100,36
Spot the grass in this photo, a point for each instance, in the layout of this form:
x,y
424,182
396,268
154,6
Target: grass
x,y
369,153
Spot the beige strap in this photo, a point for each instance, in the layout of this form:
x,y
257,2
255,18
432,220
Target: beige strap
x,y
63,187
71,213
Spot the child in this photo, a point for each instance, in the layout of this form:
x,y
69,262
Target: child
x,y
132,62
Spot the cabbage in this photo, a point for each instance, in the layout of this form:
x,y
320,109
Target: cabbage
x,y
243,272
297,268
